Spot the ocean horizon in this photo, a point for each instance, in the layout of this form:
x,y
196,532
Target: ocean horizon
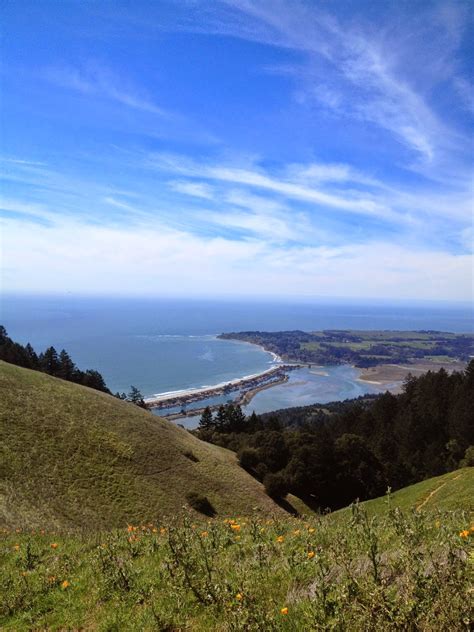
x,y
165,345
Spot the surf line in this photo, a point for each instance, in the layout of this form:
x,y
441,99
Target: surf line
x,y
248,383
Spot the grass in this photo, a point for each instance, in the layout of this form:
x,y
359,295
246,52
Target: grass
x,y
395,571
448,492
97,532
76,458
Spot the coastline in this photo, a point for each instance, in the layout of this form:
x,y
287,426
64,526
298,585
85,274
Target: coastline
x,y
251,382
243,389
242,400
208,390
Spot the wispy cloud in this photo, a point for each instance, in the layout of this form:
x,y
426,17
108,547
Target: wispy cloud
x,y
194,189
376,73
98,81
352,202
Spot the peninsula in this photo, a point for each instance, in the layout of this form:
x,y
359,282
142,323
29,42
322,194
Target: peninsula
x,y
364,349
246,388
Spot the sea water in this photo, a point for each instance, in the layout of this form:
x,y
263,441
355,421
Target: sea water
x,y
162,345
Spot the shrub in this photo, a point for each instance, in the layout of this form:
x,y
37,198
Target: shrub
x,y
200,503
248,458
468,460
275,485
191,456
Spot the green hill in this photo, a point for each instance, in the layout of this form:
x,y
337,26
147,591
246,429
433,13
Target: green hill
x,y
448,492
76,459
72,457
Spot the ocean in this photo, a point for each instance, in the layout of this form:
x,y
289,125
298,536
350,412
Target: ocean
x,y
162,345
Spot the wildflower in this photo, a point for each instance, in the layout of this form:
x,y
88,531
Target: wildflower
x,y
155,530
437,524
51,579
464,534
284,611
239,596
237,537
311,530
262,529
204,534
54,545
16,547
311,554
162,531
235,527
24,573
296,532
280,539
130,528
65,584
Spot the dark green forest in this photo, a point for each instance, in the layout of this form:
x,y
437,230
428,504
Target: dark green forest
x,y
59,365
334,454
50,361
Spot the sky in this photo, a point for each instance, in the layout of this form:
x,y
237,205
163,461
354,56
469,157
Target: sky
x,y
238,149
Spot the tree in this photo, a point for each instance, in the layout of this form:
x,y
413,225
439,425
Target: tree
x,y
135,397
49,361
67,368
32,357
275,485
92,379
206,422
237,419
221,419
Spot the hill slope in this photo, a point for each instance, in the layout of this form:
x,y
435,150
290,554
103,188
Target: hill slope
x,y
448,492
77,458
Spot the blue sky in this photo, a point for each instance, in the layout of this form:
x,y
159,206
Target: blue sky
x,y
238,148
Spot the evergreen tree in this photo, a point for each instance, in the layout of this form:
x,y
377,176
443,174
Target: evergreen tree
x,y
206,422
221,419
32,357
92,379
67,368
252,423
49,361
236,418
135,397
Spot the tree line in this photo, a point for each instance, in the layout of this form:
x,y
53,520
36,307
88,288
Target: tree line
x,y
58,365
330,456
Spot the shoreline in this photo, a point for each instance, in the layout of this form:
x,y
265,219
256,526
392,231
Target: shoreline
x,y
185,396
243,399
276,363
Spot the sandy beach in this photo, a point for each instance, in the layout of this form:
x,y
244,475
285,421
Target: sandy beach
x,y
393,375
177,398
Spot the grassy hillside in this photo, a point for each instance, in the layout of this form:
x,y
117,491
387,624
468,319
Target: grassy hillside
x,y
395,571
72,457
75,458
451,491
